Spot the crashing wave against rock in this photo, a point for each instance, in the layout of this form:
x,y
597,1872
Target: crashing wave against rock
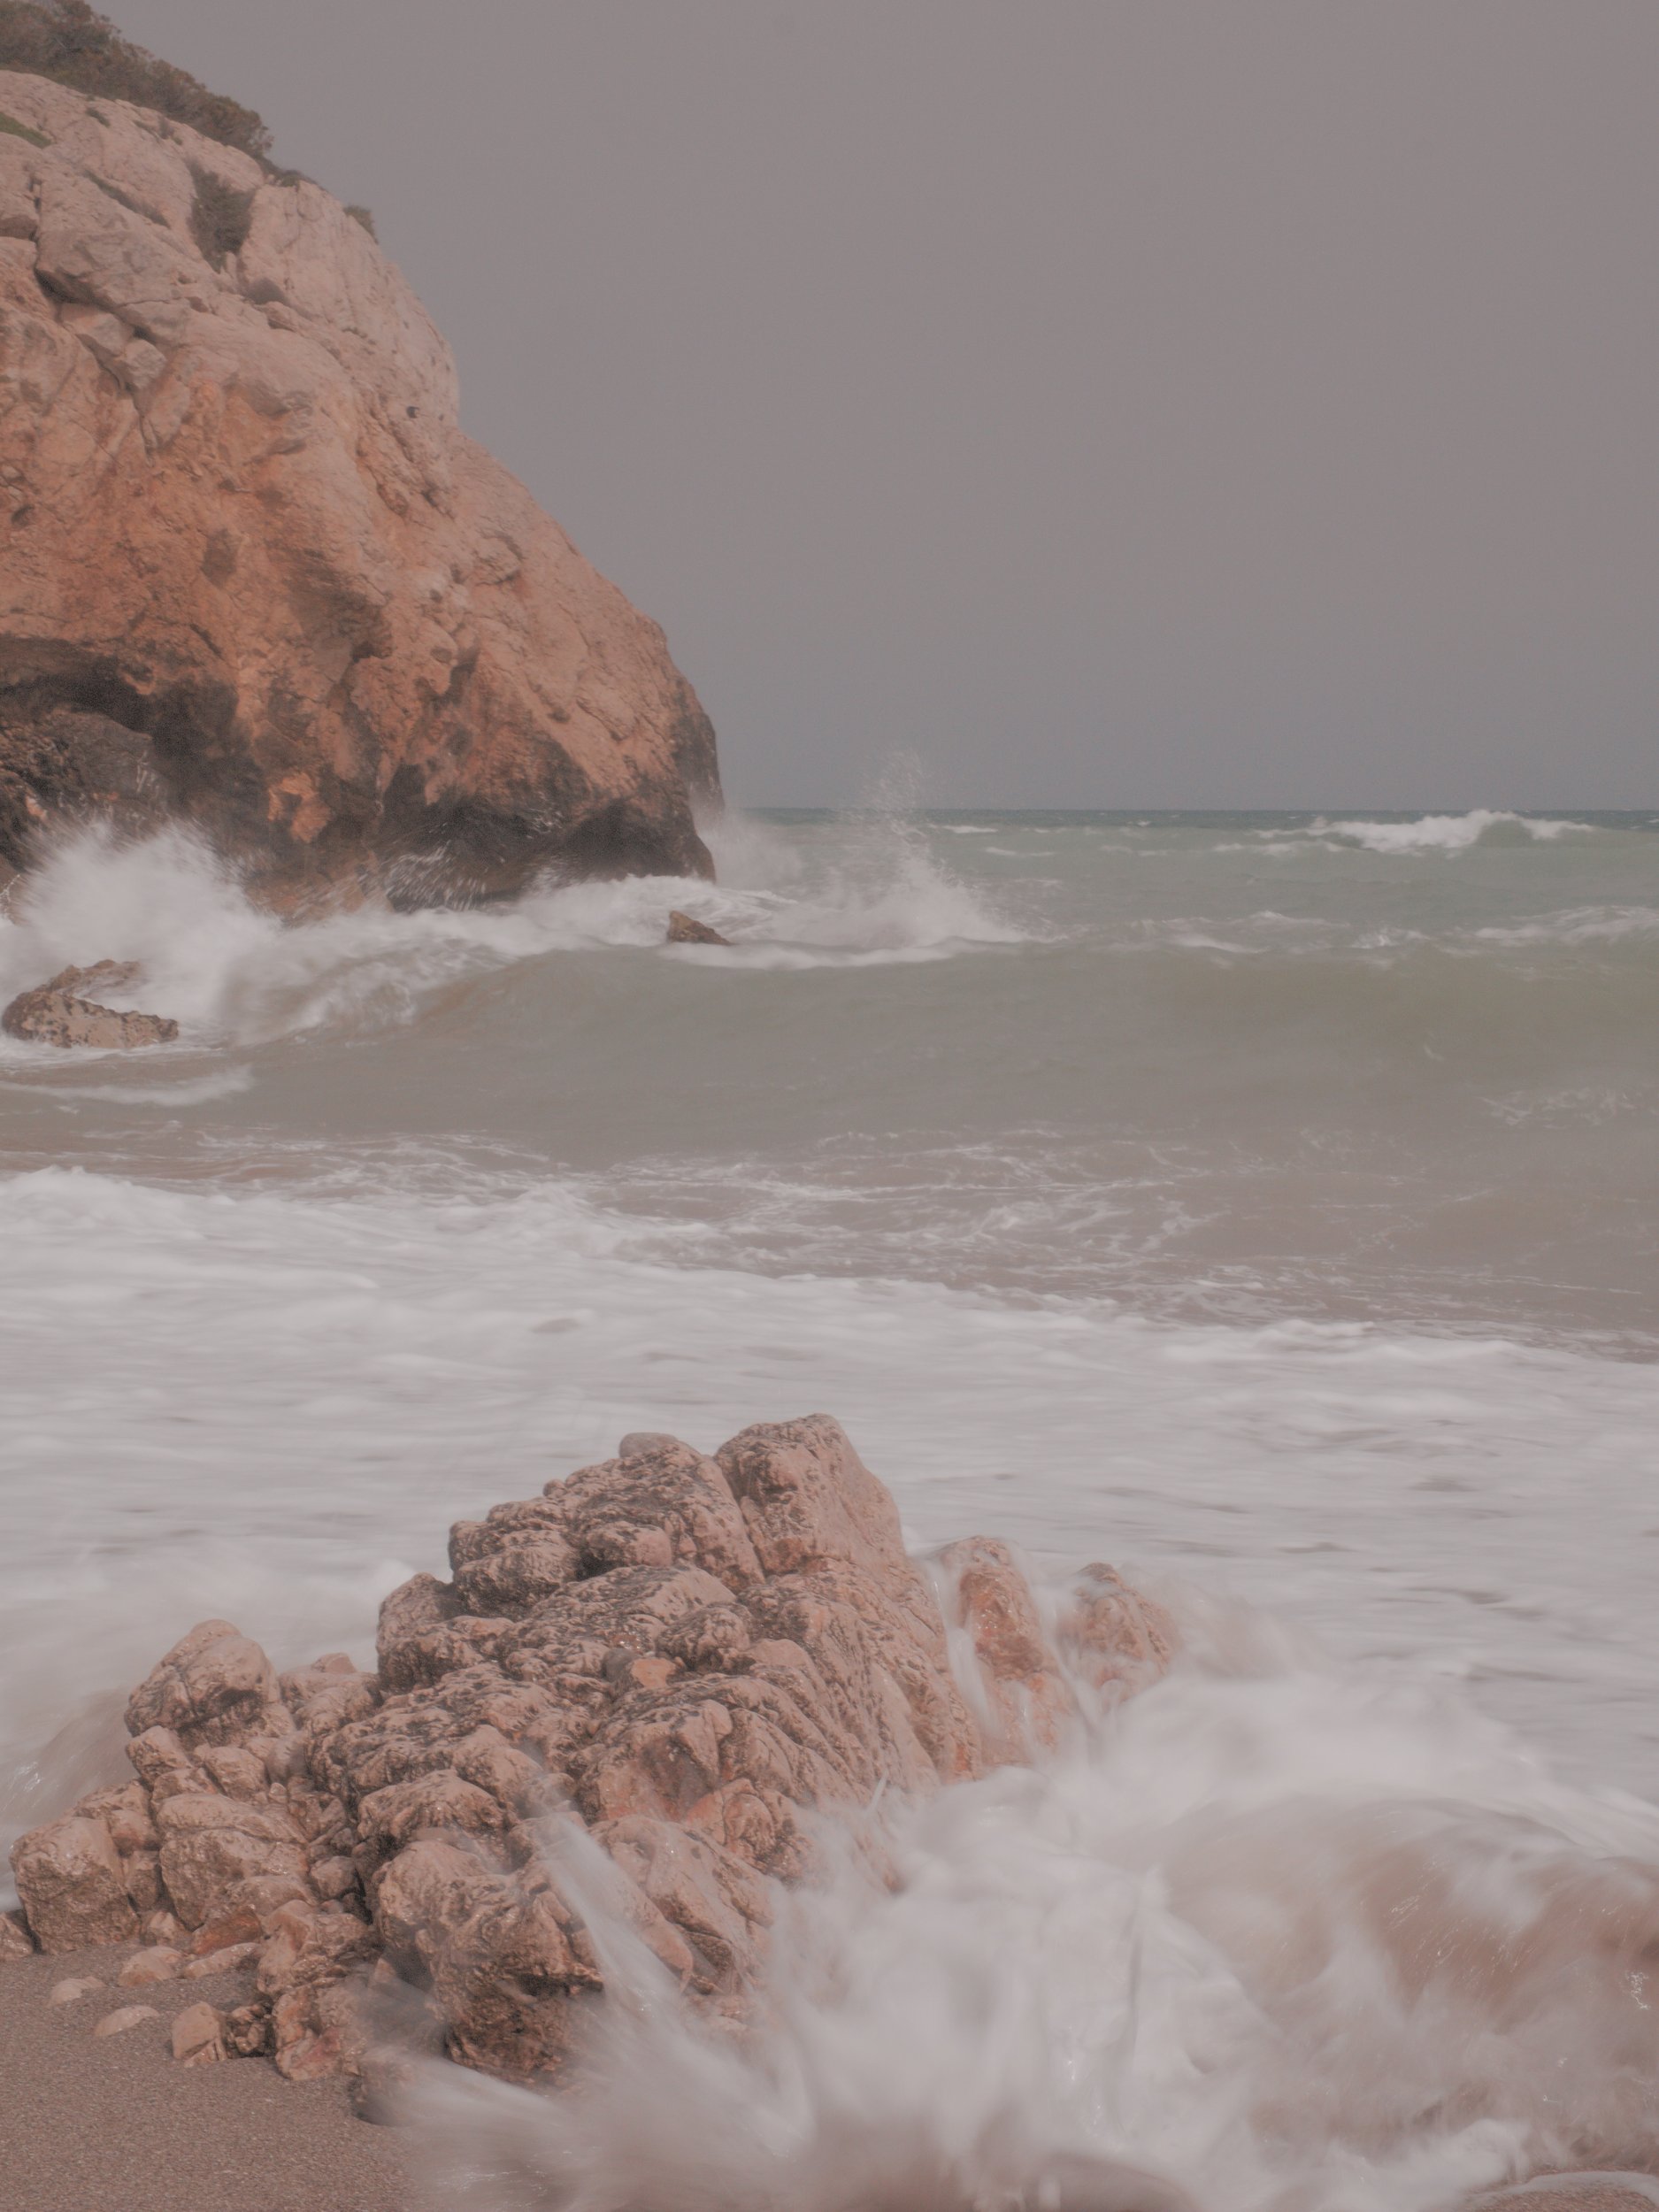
x,y
256,578
653,1692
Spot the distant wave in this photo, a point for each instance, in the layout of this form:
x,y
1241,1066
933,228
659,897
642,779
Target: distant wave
x,y
1447,832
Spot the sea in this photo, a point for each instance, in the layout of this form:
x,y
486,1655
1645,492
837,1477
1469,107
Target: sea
x,y
1265,1204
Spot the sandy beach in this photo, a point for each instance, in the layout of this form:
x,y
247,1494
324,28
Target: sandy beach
x,y
113,2123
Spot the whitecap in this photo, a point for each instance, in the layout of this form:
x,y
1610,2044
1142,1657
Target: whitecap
x,y
1447,832
229,972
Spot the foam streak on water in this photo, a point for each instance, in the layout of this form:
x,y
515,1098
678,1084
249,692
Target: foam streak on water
x,y
1270,1205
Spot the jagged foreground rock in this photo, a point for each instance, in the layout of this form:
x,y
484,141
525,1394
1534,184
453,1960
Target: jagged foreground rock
x,y
649,1688
256,579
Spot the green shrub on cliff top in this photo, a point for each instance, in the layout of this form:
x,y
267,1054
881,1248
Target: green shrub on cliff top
x,y
219,216
70,43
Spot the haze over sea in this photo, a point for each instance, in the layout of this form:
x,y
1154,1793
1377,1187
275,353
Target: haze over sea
x,y
1269,1204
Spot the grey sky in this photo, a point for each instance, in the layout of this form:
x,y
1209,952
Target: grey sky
x,y
1216,402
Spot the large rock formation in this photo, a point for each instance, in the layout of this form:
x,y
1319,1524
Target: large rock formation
x,y
643,1701
256,579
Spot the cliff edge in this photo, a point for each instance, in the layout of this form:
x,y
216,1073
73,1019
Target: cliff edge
x,y
257,579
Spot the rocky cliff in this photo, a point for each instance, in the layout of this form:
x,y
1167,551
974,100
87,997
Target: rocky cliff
x,y
255,576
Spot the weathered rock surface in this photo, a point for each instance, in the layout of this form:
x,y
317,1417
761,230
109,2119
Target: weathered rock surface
x,y
637,1703
70,1879
683,929
257,579
58,1014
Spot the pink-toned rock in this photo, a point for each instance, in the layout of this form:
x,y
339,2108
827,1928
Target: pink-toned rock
x,y
70,1881
127,2017
231,1960
516,1554
161,1762
333,1877
1022,1695
687,1666
807,1499
311,2057
321,1699
730,1646
259,580
57,1014
141,1871
306,1948
659,1504
717,1903
685,929
159,1963
238,1772
264,1894
827,1534
247,2030
198,2036
15,1940
214,1687
219,1854
240,1925
1115,1638
424,1634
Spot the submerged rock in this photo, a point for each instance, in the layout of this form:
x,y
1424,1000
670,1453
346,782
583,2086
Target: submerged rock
x,y
683,930
257,579
57,1013
633,1704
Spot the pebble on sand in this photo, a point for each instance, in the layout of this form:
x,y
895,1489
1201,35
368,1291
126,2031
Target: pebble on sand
x,y
159,1963
71,1992
198,2036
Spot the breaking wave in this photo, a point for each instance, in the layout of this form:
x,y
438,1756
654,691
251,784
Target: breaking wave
x,y
1279,1936
230,973
1449,832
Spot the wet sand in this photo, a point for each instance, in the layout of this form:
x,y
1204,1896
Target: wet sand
x,y
114,2124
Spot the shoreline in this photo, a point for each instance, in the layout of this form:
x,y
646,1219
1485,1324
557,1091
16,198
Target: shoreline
x,y
92,2123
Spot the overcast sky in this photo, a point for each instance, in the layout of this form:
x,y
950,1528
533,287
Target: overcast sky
x,y
1113,403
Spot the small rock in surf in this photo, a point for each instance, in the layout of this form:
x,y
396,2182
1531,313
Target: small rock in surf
x,y
57,1014
682,930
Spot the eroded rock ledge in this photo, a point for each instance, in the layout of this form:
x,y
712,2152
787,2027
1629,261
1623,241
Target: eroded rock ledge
x,y
258,581
652,1686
